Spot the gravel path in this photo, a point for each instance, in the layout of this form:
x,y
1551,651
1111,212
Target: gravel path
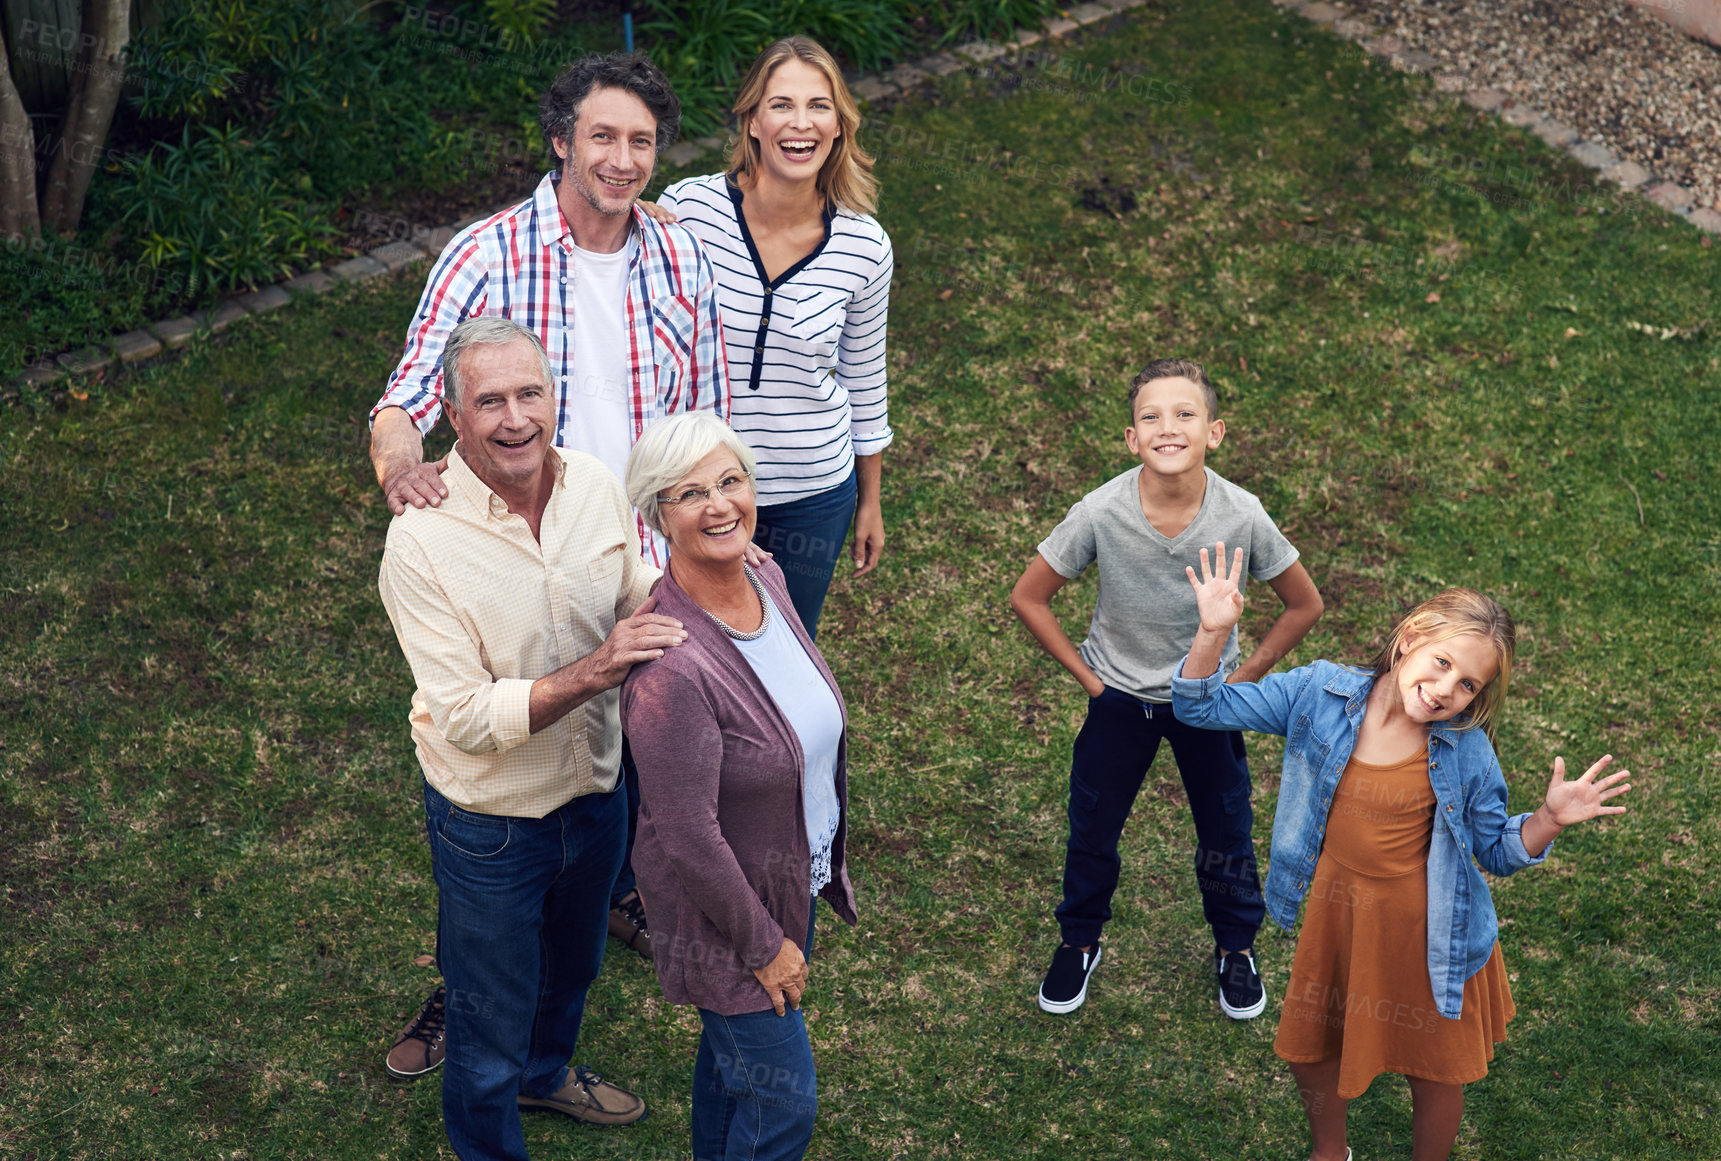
x,y
1611,71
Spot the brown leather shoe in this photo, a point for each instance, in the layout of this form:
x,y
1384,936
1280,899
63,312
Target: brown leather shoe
x,y
423,1042
586,1096
627,923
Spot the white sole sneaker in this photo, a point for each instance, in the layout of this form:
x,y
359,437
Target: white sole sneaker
x,y
1253,1010
1248,1013
1061,1007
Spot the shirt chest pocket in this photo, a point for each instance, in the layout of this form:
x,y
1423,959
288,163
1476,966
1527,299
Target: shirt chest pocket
x,y
603,587
1307,744
672,339
817,328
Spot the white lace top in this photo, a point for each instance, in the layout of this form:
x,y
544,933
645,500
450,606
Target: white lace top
x,y
800,691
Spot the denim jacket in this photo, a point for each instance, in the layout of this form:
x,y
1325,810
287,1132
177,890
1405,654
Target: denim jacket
x,y
1318,709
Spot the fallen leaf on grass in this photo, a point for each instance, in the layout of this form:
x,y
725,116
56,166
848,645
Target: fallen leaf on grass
x,y
944,295
423,960
1433,296
1572,332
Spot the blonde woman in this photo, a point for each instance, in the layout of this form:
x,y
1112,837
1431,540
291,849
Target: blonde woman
x,y
803,273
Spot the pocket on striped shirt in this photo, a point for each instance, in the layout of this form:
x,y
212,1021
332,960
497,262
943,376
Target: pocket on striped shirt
x,y
817,327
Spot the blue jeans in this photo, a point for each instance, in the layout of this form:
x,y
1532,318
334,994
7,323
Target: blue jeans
x,y
805,538
1116,746
523,905
755,1091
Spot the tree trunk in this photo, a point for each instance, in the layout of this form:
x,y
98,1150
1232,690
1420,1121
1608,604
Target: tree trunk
x,y
18,214
89,111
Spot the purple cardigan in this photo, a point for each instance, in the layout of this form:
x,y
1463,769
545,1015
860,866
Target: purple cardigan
x,y
721,853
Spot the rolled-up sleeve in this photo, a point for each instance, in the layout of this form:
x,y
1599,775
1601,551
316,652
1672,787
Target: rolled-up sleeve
x,y
455,291
475,711
1210,704
861,359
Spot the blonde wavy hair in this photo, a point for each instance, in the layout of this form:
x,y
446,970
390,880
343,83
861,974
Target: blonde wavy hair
x,y
1452,614
845,179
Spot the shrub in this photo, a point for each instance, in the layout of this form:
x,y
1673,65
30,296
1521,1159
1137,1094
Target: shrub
x,y
215,210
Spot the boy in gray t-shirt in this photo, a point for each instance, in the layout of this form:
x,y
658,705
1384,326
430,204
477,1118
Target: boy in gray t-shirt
x,y
1144,529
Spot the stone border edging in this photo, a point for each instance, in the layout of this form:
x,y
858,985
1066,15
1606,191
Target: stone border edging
x,y
1628,175
877,89
425,244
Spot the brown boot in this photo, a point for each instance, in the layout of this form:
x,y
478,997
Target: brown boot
x,y
627,923
423,1041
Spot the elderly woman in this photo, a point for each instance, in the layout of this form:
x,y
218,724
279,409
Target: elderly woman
x,y
803,280
739,738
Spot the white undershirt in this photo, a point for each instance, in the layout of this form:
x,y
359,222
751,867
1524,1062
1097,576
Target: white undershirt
x,y
599,405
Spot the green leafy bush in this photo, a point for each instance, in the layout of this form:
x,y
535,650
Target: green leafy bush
x,y
216,210
249,127
966,20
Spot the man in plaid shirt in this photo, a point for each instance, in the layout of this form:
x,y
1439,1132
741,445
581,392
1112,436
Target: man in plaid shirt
x,y
652,346
626,308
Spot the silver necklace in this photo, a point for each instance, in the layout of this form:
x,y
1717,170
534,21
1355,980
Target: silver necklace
x,y
764,612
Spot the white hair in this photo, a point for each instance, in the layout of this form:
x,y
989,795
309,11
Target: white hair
x,y
669,449
487,330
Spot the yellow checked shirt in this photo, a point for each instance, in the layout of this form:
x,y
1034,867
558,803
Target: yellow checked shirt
x,y
482,610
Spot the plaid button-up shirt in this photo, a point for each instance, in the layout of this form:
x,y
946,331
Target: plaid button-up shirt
x,y
519,263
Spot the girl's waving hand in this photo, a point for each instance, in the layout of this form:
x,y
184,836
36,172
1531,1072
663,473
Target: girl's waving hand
x,y
1582,798
1570,802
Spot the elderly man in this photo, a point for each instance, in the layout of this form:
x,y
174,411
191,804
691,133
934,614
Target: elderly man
x,y
625,305
521,602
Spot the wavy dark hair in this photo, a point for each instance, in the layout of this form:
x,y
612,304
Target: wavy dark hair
x,y
631,72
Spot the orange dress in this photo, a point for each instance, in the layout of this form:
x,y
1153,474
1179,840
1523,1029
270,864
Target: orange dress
x,y
1359,985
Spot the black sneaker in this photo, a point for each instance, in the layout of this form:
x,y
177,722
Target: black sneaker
x,y
1241,995
1065,987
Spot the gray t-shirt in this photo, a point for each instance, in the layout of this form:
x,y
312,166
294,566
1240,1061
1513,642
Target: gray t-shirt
x,y
1145,618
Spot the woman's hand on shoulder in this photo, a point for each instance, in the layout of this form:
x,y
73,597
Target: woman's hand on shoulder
x,y
656,212
784,978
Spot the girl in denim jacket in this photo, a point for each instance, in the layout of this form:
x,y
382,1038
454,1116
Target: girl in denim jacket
x,y
1390,797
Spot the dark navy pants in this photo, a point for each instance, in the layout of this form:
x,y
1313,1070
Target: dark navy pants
x,y
1116,746
628,784
804,537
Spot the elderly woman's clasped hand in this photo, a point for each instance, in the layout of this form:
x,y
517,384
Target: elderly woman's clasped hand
x,y
785,978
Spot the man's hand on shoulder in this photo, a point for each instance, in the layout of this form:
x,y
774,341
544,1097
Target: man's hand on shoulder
x,y
397,454
416,484
642,637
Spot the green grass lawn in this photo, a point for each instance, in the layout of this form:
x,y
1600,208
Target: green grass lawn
x,y
1426,329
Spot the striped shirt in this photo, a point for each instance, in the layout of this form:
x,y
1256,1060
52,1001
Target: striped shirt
x,y
482,609
806,351
518,264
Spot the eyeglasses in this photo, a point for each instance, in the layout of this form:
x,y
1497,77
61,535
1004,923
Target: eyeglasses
x,y
728,487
